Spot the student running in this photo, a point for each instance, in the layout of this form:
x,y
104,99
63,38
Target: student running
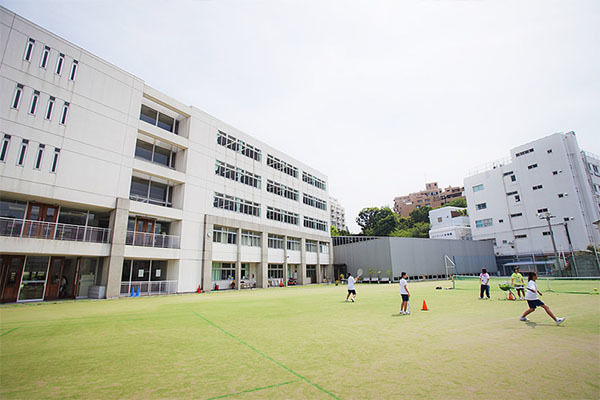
x,y
351,290
532,299
404,293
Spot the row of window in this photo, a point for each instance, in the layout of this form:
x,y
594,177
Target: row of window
x,y
315,224
283,166
45,57
236,204
225,235
226,271
521,153
21,157
313,180
159,119
314,201
284,216
35,100
282,190
151,192
155,153
237,174
239,146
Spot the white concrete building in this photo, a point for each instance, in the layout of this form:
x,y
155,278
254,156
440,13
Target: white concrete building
x,y
107,183
449,223
337,214
549,176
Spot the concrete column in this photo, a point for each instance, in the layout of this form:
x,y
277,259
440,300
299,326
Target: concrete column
x,y
207,241
285,261
238,263
319,275
302,271
261,268
118,223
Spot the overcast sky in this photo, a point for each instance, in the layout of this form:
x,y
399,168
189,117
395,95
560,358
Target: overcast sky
x,y
381,96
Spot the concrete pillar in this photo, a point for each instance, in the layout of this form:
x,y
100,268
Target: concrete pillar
x,y
207,256
261,268
302,271
318,274
238,263
285,261
118,223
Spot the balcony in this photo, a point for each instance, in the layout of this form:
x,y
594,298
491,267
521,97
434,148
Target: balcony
x,y
16,227
152,240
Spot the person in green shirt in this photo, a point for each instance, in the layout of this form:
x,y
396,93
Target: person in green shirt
x,y
516,281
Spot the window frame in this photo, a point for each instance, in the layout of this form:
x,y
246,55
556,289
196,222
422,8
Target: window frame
x,y
29,47
45,57
18,95
4,147
22,152
60,61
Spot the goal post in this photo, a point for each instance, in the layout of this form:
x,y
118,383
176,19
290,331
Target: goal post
x,y
450,268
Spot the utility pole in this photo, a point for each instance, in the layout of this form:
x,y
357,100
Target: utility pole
x,y
547,217
571,248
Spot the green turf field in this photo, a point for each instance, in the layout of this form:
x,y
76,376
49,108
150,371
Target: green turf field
x,y
302,342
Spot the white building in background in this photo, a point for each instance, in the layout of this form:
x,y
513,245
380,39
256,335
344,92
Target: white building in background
x,y
110,185
337,214
551,175
449,223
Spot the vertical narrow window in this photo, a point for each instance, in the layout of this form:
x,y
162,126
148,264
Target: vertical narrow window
x,y
40,155
34,102
29,50
4,148
55,160
50,107
21,158
63,115
73,70
17,98
59,63
45,56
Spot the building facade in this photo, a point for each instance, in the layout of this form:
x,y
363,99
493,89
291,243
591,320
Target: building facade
x,y
449,223
111,187
548,190
433,196
337,214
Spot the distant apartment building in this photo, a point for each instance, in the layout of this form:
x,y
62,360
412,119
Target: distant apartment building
x,y
510,201
433,196
110,186
337,214
449,223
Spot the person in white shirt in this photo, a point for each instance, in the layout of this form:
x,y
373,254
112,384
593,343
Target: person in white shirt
x,y
485,284
531,295
351,290
404,293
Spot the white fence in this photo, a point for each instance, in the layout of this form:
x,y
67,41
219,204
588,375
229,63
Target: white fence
x,y
148,288
152,240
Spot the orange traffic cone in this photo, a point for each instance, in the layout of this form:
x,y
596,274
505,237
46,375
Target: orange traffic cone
x,y
424,306
281,283
199,289
510,296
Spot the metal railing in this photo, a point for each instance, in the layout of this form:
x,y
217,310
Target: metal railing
x,y
148,200
16,227
489,166
152,240
148,288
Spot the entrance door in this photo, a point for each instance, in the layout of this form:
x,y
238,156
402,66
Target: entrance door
x,y
69,279
144,229
11,269
53,286
40,220
33,280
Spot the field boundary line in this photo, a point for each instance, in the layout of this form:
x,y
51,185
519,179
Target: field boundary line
x,y
254,390
266,356
9,331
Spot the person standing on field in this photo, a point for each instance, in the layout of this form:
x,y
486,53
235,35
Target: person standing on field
x,y
532,299
485,284
404,293
351,290
516,281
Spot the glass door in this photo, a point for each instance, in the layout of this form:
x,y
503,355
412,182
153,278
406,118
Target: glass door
x,y
87,276
33,280
54,278
40,221
144,229
10,277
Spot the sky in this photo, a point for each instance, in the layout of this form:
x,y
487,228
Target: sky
x,y
380,96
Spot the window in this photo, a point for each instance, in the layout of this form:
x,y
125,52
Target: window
x,y
275,271
283,166
59,63
17,97
155,152
481,206
147,191
314,223
239,146
236,204
63,115
160,120
517,198
508,173
554,172
222,271
561,195
73,72
4,148
311,246
439,219
500,221
522,153
546,233
22,152
237,174
287,217
250,238
513,178
55,160
275,242
45,56
542,210
324,248
34,102
293,244
520,236
29,49
516,215
49,108
532,166
481,223
40,155
537,187
477,188
224,235
282,190
549,151
511,193
314,201
313,180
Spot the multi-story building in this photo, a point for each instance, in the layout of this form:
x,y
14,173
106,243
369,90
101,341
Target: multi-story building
x,y
109,184
548,190
433,196
337,214
449,223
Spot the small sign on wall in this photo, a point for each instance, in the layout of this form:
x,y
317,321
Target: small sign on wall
x,y
140,273
157,273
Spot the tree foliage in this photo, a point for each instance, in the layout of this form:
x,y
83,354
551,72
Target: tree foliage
x,y
382,221
420,214
459,202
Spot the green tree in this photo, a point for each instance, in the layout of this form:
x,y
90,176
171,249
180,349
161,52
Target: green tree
x,y
366,219
377,221
420,214
456,203
333,230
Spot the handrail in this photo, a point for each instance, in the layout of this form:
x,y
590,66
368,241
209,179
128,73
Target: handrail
x,y
24,228
134,238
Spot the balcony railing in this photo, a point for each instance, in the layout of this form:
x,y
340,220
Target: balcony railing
x,y
148,288
152,240
16,227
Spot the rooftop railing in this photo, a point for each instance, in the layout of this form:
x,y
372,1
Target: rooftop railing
x,y
17,227
152,240
489,166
